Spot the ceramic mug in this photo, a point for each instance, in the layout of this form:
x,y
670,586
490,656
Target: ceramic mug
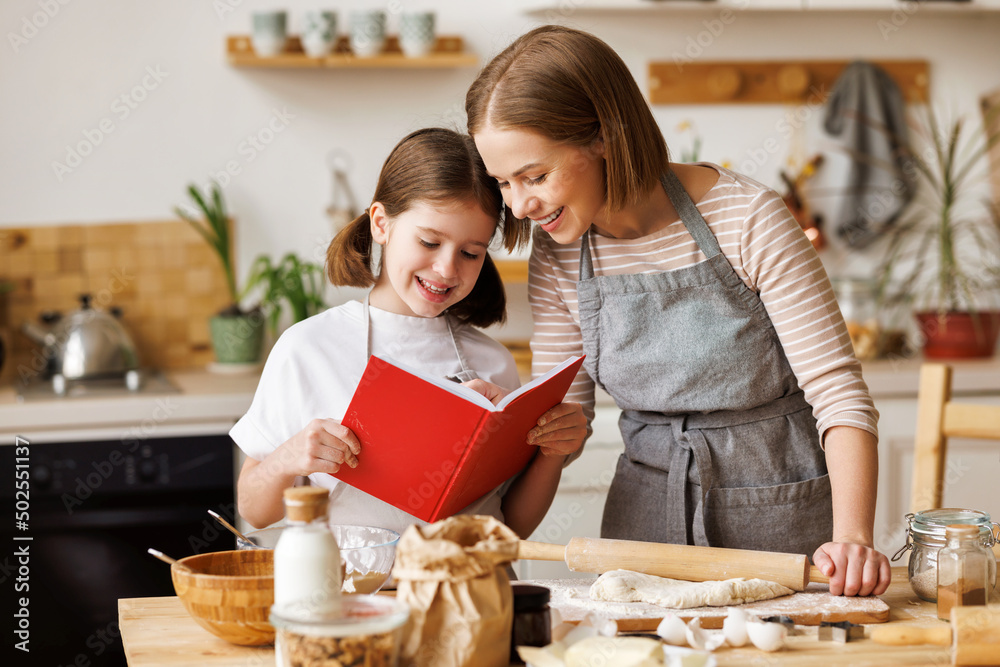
x,y
416,33
367,32
319,33
270,32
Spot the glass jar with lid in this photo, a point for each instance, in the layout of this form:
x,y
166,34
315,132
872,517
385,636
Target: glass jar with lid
x,y
925,536
857,300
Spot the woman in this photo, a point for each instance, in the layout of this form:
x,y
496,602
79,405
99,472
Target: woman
x,y
713,325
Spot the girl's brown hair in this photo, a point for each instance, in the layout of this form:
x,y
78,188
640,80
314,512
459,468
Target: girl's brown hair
x,y
437,166
570,86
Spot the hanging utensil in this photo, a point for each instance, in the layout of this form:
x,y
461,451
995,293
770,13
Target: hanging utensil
x,y
342,209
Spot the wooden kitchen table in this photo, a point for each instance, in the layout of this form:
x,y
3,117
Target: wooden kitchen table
x,y
157,632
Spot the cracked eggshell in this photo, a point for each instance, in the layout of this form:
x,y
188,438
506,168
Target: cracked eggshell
x,y
767,636
734,627
702,639
606,627
672,630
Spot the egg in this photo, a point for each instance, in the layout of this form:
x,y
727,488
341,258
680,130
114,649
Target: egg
x,y
700,638
767,636
671,630
734,628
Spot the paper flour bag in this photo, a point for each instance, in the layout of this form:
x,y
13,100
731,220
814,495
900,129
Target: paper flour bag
x,y
452,574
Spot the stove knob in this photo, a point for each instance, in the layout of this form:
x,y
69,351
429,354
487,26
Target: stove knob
x,y
147,470
42,477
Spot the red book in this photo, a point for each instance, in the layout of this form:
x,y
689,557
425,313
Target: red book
x,y
430,446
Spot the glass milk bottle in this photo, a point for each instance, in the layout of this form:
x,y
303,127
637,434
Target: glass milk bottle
x,y
963,570
307,574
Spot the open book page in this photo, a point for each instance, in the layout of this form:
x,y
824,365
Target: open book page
x,y
555,370
474,396
450,386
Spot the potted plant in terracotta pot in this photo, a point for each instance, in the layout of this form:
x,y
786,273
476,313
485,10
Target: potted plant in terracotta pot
x,y
237,333
942,258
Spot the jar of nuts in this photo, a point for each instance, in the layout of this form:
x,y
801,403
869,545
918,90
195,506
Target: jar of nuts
x,y
366,631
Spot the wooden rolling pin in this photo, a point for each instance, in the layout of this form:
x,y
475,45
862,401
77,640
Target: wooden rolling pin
x,y
974,635
676,561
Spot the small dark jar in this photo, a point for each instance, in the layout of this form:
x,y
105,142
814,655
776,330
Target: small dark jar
x,y
532,621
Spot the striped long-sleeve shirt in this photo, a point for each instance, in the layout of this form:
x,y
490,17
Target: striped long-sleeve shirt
x,y
769,252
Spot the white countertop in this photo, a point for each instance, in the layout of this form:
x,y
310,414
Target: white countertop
x,y
211,403
205,403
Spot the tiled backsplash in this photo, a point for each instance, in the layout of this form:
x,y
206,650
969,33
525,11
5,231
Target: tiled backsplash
x,y
162,275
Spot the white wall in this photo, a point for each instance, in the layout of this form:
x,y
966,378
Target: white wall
x,y
59,82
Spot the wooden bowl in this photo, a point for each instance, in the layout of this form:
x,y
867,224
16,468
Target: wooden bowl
x,y
229,593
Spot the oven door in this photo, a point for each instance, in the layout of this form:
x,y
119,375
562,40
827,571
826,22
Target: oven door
x,y
95,507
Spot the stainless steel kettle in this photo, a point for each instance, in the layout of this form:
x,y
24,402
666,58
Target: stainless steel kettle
x,y
86,343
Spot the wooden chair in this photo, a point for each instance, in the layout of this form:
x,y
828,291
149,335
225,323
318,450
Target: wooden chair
x,y
939,418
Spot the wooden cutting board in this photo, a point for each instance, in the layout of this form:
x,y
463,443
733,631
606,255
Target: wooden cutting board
x,y
810,607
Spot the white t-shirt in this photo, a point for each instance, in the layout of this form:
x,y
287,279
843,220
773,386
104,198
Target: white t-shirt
x,y
316,364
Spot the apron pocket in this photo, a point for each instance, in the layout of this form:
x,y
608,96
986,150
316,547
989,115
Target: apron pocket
x,y
798,516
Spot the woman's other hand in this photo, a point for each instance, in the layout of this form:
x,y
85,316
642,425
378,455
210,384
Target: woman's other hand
x,y
560,431
854,569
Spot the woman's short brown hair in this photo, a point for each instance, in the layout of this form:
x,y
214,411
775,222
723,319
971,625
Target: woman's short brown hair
x,y
437,166
570,86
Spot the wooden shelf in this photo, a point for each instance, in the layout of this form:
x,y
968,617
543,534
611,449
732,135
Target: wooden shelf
x,y
448,52
512,270
555,12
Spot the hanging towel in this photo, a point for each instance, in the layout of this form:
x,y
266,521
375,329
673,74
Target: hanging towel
x,y
866,111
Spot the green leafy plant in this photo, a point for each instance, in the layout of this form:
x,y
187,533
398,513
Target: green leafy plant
x,y
214,228
943,255
291,282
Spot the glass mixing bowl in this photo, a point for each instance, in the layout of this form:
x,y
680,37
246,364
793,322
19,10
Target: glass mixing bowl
x,y
368,553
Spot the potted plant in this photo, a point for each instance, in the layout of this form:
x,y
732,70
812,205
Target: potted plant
x,y
291,282
237,334
941,259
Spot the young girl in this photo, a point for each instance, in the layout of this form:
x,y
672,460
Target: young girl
x,y
434,213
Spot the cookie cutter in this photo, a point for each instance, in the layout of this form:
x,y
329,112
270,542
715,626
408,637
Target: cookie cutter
x,y
784,620
842,632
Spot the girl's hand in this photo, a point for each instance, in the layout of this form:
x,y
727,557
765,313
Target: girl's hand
x,y
322,446
854,569
560,431
491,391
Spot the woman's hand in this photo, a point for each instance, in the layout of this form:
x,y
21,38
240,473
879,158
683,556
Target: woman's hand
x,y
322,446
560,431
854,569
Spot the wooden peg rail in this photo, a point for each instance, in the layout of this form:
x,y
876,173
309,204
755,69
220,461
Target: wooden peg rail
x,y
767,82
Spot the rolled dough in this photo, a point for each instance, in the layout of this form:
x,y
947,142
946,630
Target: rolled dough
x,y
628,586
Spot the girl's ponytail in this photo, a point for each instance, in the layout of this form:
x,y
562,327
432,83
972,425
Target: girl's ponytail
x,y
349,256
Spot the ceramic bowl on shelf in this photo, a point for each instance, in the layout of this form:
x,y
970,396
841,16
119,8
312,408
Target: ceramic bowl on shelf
x,y
368,553
229,593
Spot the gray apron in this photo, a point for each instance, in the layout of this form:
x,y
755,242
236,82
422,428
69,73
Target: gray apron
x,y
464,375
721,447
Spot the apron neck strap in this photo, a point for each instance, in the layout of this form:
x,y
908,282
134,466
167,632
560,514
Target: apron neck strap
x,y
464,375
689,214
